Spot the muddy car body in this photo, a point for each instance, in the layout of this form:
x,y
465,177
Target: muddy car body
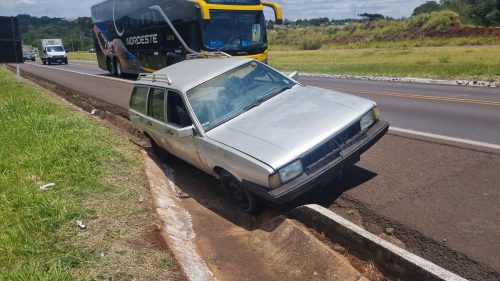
x,y
263,134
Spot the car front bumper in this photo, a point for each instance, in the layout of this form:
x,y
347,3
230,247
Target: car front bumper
x,y
304,183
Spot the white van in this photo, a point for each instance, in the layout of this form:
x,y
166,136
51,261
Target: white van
x,y
53,52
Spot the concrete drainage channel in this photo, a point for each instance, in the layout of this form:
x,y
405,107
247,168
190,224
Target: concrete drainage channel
x,y
276,247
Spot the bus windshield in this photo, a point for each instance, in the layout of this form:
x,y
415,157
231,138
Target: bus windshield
x,y
235,31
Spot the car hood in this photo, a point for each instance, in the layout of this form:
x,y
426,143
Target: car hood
x,y
283,128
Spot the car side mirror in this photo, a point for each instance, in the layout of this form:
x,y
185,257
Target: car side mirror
x,y
186,132
293,74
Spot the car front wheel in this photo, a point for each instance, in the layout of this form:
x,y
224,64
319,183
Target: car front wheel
x,y
237,195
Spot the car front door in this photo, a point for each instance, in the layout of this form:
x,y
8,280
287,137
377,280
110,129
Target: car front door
x,y
184,145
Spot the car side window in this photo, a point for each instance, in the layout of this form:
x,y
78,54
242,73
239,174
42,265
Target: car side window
x,y
139,98
176,110
157,104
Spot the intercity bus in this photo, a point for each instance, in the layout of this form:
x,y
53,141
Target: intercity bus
x,y
136,36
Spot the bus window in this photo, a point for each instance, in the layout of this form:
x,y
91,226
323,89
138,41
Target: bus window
x,y
246,2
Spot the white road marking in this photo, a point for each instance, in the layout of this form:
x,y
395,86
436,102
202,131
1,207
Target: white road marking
x,y
446,138
83,73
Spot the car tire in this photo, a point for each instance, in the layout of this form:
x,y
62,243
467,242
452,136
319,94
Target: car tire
x,y
44,62
238,195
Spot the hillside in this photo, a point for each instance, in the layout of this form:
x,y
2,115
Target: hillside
x,y
427,29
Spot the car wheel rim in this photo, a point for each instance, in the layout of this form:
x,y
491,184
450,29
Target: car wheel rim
x,y
238,195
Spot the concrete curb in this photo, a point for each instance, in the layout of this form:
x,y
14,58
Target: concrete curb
x,y
177,229
390,259
470,83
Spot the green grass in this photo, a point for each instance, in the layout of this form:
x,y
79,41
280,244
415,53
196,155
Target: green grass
x,y
82,56
481,63
421,42
99,179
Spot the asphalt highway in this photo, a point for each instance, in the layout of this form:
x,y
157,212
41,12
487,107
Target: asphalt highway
x,y
454,111
441,198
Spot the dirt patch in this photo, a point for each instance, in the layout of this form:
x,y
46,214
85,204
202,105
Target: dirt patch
x,y
151,239
366,268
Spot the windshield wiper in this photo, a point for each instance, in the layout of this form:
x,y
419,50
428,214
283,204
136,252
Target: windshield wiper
x,y
260,99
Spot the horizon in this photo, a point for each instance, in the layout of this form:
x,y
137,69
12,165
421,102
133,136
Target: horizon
x,y
292,9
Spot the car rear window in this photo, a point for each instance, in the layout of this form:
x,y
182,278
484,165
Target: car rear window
x,y
139,99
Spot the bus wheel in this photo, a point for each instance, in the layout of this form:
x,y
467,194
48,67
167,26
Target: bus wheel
x,y
109,65
118,72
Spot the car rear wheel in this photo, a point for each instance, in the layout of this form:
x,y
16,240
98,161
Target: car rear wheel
x,y
237,195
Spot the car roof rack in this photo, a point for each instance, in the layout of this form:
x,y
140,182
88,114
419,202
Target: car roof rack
x,y
206,55
154,77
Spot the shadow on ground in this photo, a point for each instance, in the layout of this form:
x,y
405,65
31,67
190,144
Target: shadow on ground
x,y
205,190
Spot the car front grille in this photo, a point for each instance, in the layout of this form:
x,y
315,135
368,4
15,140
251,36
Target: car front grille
x,y
330,150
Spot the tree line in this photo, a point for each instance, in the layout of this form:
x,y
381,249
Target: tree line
x,y
76,34
478,12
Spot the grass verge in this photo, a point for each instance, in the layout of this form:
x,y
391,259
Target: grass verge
x,y
99,179
82,56
478,63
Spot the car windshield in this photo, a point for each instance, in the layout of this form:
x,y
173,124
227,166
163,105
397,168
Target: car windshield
x,y
234,92
55,49
233,31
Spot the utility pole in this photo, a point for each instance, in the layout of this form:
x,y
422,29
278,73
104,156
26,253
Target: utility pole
x,y
81,42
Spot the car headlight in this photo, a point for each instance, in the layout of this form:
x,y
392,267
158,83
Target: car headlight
x,y
369,118
290,171
286,174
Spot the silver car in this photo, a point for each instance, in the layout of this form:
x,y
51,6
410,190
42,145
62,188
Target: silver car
x,y
261,133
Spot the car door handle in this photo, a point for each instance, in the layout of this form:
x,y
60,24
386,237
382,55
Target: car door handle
x,y
149,123
168,131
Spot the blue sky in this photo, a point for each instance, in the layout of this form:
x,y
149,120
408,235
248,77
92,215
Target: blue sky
x,y
293,9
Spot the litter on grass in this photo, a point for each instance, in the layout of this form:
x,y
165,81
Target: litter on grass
x,y
48,186
80,224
